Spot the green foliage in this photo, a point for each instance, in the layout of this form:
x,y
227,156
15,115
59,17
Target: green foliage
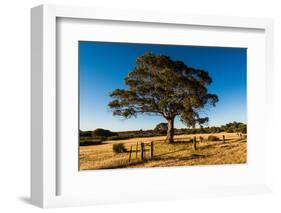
x,y
213,138
94,137
241,128
119,148
85,133
90,142
235,127
215,130
103,133
161,128
160,86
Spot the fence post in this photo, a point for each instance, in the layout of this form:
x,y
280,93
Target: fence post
x,y
137,150
130,153
194,143
151,150
142,150
223,138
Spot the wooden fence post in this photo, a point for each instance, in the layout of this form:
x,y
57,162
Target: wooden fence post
x,y
151,150
194,143
130,154
142,151
223,138
137,150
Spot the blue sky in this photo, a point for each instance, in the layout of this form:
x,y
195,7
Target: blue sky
x,y
103,66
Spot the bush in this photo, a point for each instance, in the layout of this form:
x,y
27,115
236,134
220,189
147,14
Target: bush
x,y
161,128
85,133
243,129
119,148
213,138
103,133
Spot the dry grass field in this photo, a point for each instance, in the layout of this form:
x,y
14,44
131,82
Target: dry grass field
x,y
181,153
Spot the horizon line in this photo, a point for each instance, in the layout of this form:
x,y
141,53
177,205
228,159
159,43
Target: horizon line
x,y
163,122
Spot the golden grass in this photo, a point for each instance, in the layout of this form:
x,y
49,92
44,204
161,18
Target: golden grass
x,y
233,151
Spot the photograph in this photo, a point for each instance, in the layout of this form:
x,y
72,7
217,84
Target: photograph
x,y
161,105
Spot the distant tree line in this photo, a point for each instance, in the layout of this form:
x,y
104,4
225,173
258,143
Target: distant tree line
x,y
99,135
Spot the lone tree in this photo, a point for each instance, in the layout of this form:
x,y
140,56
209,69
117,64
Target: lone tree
x,y
160,86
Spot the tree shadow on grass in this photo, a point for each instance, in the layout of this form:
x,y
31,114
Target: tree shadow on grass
x,y
182,142
190,157
157,158
92,143
207,146
167,153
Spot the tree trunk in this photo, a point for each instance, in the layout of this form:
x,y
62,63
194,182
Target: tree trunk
x,y
170,131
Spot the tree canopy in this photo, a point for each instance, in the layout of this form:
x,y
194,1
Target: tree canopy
x,y
161,86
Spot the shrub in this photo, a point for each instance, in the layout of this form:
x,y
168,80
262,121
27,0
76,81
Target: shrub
x,y
243,128
161,128
85,133
103,133
213,138
119,148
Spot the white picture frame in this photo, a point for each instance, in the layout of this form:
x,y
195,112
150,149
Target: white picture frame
x,y
45,157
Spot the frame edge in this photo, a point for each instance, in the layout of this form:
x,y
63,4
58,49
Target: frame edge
x,y
42,29
37,106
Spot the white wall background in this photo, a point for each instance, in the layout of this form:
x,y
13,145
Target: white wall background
x,y
15,104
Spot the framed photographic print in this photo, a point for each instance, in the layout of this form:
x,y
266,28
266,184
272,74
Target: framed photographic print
x,y
164,104
129,106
